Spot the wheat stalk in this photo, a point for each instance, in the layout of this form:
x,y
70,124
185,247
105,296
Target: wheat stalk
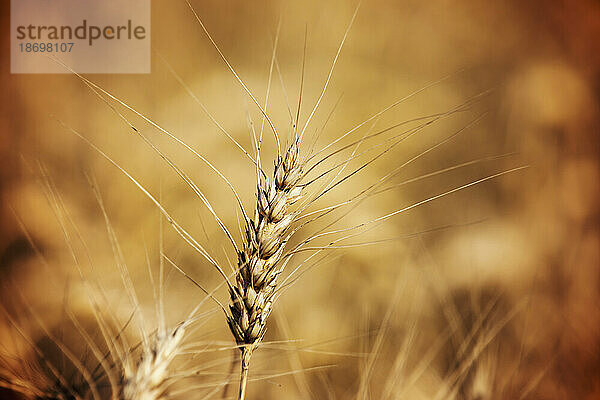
x,y
259,264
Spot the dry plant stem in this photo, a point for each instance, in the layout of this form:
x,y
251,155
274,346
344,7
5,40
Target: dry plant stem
x,y
246,354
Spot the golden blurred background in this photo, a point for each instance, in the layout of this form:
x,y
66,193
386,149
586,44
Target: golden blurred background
x,y
491,292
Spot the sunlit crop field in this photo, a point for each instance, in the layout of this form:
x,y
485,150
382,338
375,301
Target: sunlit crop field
x,y
461,263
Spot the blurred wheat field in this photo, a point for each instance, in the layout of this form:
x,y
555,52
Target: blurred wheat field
x,y
490,292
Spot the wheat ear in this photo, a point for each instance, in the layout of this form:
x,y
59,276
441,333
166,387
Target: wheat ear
x,y
146,381
259,265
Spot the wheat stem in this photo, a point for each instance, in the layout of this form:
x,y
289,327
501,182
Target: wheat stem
x,y
245,367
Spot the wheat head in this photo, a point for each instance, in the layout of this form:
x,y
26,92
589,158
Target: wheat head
x,y
146,381
259,262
